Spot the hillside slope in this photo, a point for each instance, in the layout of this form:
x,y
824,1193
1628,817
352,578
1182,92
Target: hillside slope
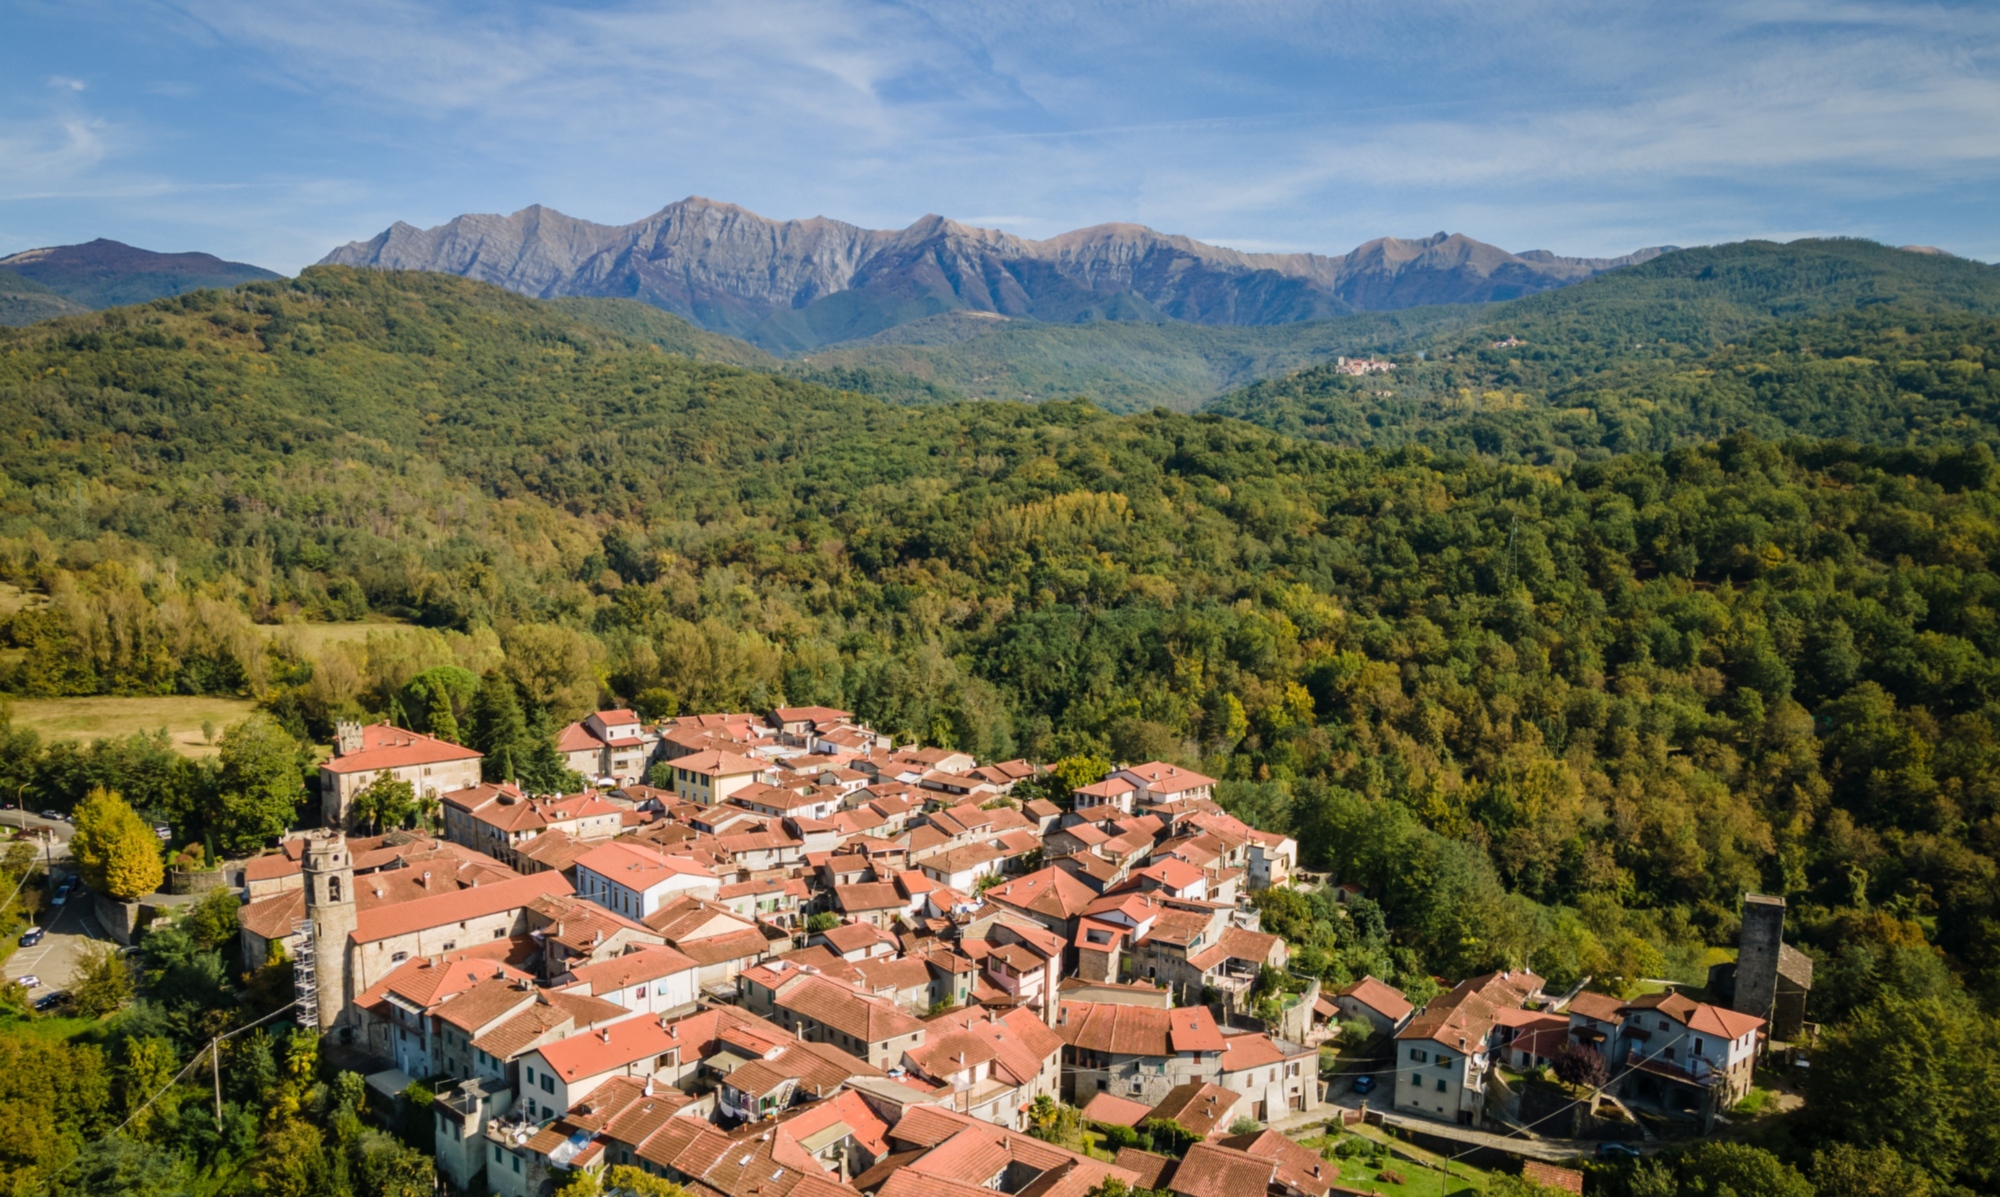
x,y
792,285
104,274
24,301
1119,365
1819,338
1494,694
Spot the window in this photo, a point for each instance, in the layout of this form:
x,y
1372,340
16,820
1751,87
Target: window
x,y
517,1165
548,1083
450,947
531,1075
398,957
333,889
1440,1084
1444,1061
1417,1055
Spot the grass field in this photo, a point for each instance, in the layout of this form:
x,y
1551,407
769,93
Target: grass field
x,y
103,717
1406,1160
311,637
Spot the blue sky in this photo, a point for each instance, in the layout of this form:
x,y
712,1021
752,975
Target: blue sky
x,y
270,131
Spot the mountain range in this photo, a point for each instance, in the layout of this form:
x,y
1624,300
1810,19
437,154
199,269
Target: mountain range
x,y
789,286
37,284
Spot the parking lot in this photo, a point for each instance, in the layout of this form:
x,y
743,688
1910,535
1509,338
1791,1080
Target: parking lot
x,y
54,959
68,928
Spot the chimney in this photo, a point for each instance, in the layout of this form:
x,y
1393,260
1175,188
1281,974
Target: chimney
x,y
605,1034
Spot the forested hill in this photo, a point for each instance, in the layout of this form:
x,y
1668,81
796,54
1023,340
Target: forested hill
x,y
1554,718
1820,338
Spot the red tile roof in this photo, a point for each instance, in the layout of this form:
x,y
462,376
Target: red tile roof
x,y
1114,1110
1198,1106
1378,996
384,746
457,906
1211,1170
1137,1030
606,1049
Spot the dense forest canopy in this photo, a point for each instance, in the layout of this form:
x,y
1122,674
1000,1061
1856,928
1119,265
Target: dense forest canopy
x,y
1548,717
1816,338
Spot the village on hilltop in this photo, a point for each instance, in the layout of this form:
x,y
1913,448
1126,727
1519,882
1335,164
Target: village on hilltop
x,y
766,955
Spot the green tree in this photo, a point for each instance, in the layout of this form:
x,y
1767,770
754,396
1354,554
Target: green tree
x,y
1912,1075
1844,1170
259,785
115,850
1714,1169
439,700
100,982
124,1166
384,803
825,920
544,770
211,921
499,730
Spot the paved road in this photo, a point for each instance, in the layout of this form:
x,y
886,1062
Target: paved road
x,y
28,821
69,927
54,959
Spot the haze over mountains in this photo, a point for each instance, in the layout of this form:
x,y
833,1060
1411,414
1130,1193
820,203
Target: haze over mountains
x,y
789,286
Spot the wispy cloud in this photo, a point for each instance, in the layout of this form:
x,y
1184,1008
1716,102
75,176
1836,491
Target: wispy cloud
x,y
1584,127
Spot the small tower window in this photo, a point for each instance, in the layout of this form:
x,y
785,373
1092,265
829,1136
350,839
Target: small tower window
x,y
333,889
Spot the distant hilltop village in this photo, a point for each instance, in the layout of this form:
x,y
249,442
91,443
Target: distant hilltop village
x,y
777,953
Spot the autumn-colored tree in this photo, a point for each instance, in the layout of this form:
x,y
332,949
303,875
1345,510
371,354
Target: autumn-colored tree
x,y
116,851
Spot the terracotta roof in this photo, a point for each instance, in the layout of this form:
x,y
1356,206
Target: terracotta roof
x,y
899,975
577,738
384,746
648,963
1211,1170
1114,1110
869,895
1173,872
1198,1106
834,1005
1154,1171
854,937
1047,891
1298,1168
1249,1051
638,867
454,907
1235,943
1464,1018
1378,996
1020,1042
718,764
551,1012
719,949
1162,778
486,1003
812,714
1137,1030
428,980
606,1049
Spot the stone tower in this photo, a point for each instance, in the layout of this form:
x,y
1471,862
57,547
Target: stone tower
x,y
329,873
1758,948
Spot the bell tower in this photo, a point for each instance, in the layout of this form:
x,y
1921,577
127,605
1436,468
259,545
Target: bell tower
x,y
330,913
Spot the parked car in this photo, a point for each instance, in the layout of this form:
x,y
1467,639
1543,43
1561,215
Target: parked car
x,y
62,893
50,1001
1364,1084
1617,1151
49,814
32,936
30,981
163,831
